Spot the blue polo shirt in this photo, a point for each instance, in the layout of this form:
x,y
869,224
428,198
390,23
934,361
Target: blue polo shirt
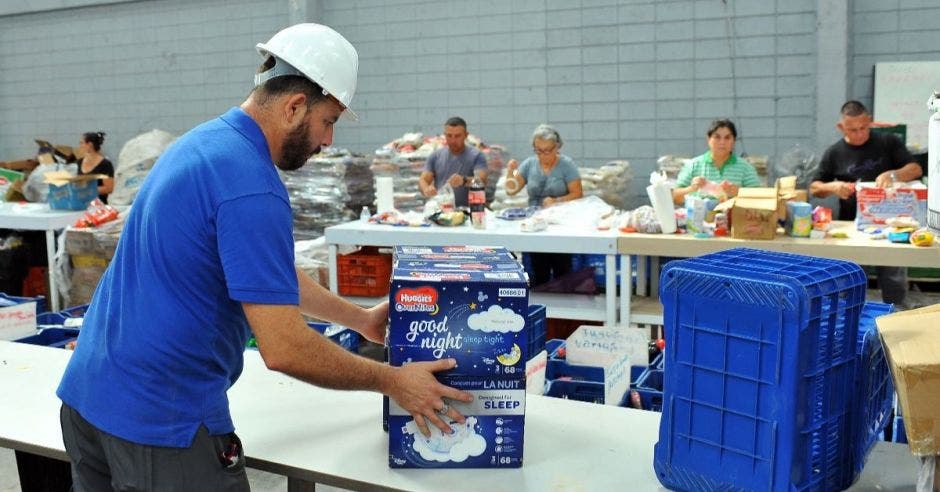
x,y
164,337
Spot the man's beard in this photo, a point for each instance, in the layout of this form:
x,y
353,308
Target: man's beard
x,y
297,148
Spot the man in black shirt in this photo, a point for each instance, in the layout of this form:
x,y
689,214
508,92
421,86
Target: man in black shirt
x,y
865,156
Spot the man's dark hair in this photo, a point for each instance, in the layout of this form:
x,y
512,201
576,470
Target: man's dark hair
x,y
853,108
456,121
722,123
287,84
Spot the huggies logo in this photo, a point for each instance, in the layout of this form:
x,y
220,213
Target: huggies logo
x,y
420,300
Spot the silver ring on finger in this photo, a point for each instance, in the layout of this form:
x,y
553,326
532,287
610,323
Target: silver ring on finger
x,y
444,409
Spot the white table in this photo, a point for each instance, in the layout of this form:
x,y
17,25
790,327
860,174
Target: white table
x,y
39,217
556,239
858,248
314,435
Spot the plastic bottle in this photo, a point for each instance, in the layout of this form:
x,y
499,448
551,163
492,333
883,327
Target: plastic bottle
x,y
476,198
365,214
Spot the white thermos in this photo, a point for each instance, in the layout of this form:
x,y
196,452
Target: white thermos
x,y
933,163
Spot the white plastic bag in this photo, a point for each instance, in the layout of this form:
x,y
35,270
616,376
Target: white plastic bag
x,y
36,189
660,194
134,162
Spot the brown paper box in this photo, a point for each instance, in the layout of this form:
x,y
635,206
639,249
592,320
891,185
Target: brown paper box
x,y
753,213
912,344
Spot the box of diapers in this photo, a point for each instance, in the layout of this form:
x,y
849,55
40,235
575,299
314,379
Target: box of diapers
x,y
476,315
491,437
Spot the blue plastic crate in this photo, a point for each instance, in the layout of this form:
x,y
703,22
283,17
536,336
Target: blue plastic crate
x,y
560,368
51,337
536,330
555,347
8,300
571,381
588,391
899,435
599,264
346,338
58,318
875,390
50,318
761,367
649,386
75,311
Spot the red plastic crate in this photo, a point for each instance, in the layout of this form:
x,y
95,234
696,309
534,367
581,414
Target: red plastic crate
x,y
365,273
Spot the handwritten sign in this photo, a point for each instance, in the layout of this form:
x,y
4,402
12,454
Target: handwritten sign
x,y
18,321
600,346
901,93
617,380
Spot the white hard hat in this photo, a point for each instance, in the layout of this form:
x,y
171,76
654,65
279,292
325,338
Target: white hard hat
x,y
318,53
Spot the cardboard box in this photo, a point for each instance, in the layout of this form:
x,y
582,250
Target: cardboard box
x,y
911,341
753,213
472,309
25,165
787,192
71,192
876,205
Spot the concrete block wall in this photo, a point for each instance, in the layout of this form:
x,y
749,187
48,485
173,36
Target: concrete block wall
x,y
620,80
890,31
631,79
126,68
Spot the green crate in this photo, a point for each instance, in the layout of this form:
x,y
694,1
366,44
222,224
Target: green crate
x,y
899,130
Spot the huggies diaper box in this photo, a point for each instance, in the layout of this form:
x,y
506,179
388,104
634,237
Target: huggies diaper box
x,y
475,314
491,437
451,251
470,306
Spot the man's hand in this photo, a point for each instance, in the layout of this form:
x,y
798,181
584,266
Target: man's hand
x,y
416,390
512,165
456,180
429,191
843,189
549,201
374,330
697,183
885,179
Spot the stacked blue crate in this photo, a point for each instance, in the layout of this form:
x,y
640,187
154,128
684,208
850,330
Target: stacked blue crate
x,y
900,435
761,365
873,380
59,318
536,329
343,336
51,337
579,382
573,381
649,385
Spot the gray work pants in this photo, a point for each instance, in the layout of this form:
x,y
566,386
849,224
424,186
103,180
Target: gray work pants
x,y
101,461
893,283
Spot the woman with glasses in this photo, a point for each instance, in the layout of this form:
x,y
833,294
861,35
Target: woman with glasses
x,y
549,178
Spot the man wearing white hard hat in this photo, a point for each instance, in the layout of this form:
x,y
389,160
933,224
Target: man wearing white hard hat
x,y
206,258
